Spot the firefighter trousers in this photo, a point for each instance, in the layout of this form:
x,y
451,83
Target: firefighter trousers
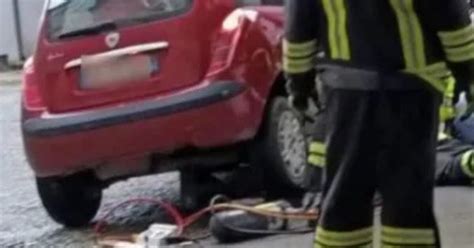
x,y
379,141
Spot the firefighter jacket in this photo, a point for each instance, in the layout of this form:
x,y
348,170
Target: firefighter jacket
x,y
430,39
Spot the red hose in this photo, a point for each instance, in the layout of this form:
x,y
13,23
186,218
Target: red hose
x,y
169,208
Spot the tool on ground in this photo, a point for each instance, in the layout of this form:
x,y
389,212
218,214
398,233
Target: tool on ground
x,y
237,225
230,222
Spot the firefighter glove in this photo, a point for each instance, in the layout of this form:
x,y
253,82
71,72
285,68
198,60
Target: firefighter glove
x,y
301,89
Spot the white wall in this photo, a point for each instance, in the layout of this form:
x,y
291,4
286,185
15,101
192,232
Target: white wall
x,y
30,14
8,42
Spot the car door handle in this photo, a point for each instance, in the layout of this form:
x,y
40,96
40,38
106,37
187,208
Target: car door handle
x,y
131,50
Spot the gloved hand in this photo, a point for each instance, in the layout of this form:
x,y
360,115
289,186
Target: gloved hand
x,y
301,89
311,201
299,102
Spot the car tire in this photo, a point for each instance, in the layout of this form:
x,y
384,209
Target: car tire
x,y
281,149
72,201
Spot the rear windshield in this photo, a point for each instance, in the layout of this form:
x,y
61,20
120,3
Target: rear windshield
x,y
67,17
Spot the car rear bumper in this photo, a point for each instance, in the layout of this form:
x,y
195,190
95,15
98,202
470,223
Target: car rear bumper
x,y
86,121
211,115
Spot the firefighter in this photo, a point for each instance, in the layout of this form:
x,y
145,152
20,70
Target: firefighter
x,y
455,156
386,65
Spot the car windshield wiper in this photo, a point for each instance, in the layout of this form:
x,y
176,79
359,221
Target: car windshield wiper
x,y
96,29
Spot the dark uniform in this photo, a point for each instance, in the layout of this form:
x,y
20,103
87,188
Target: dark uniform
x,y
454,162
386,66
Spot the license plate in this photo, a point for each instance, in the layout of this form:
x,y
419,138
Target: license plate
x,y
100,72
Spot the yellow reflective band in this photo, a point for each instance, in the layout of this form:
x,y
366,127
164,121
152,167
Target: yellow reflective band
x,y
317,147
447,110
316,245
398,231
292,65
408,236
460,54
450,88
438,71
438,75
410,33
457,37
318,161
438,84
446,113
342,30
403,246
336,15
354,238
467,163
433,68
442,74
332,33
305,49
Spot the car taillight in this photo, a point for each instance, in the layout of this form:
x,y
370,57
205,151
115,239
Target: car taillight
x,y
32,98
221,55
229,38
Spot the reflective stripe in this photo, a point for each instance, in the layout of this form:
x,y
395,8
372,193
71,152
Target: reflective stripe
x,y
467,163
400,246
437,74
316,245
450,88
305,49
447,110
457,37
447,113
410,34
318,148
298,65
342,30
356,238
458,44
438,70
332,34
460,54
316,160
408,236
337,29
438,84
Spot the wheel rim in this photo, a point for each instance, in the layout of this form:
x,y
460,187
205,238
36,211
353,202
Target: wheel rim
x,y
292,145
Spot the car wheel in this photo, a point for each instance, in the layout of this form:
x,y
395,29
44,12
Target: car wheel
x,y
72,201
282,148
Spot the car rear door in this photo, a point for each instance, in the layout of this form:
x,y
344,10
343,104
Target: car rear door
x,y
100,52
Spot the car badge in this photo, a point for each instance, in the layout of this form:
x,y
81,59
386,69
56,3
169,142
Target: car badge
x,y
112,40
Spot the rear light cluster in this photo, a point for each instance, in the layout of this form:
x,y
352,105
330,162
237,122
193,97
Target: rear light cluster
x,y
32,98
228,38
220,53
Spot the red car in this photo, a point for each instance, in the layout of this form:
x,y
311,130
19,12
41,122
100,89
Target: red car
x,y
122,88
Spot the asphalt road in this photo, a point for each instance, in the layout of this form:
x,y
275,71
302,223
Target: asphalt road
x,y
24,223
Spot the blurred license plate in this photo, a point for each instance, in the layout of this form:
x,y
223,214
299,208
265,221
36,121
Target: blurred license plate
x,y
100,72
